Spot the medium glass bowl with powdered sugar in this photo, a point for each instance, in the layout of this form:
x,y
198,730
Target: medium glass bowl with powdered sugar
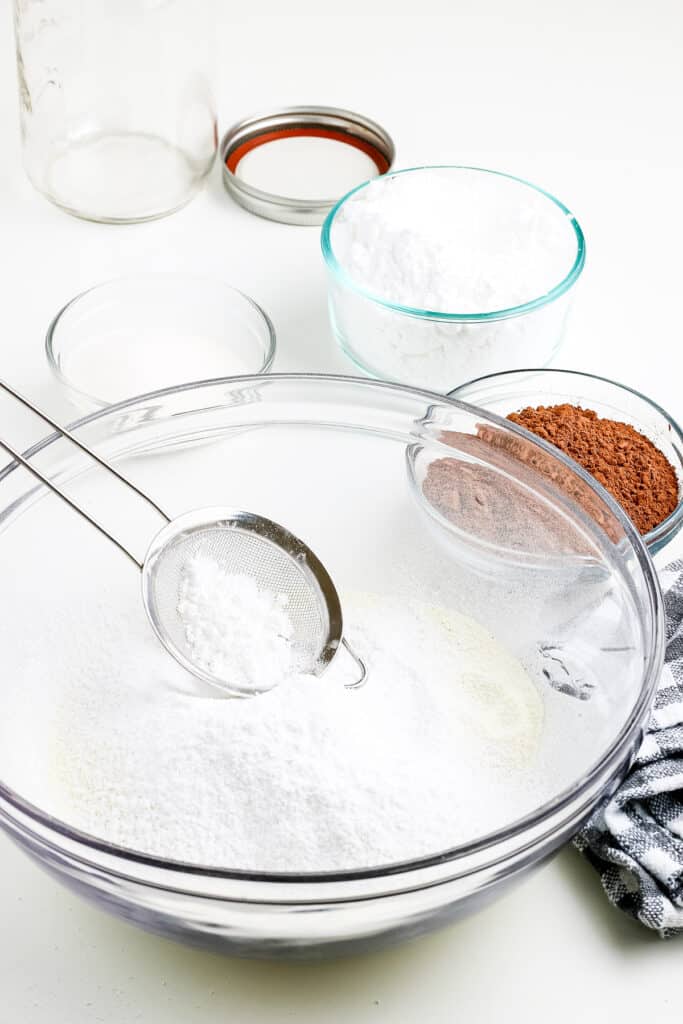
x,y
437,275
512,641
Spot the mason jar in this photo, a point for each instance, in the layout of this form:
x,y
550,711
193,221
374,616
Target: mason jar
x,y
117,114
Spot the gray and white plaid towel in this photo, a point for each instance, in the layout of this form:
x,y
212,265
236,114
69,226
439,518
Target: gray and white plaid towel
x,y
635,841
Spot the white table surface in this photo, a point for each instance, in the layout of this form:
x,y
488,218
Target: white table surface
x,y
583,98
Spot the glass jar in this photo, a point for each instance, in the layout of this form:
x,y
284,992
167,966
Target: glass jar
x,y
117,114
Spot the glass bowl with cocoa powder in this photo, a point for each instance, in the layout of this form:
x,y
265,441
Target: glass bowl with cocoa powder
x,y
627,442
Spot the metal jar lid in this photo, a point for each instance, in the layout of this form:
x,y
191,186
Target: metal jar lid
x,y
331,123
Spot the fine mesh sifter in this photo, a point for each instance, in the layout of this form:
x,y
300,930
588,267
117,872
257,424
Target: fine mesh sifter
x,y
241,543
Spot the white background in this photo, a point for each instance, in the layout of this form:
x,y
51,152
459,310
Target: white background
x,y
582,97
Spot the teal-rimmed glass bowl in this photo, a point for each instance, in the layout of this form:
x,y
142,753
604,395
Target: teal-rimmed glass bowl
x,y
503,393
440,349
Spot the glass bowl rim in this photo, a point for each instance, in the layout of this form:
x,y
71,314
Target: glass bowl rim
x,y
659,535
52,333
492,315
621,746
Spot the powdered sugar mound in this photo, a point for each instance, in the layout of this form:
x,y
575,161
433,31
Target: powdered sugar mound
x,y
235,630
469,242
433,751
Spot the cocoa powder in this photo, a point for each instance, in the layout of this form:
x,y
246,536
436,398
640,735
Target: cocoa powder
x,y
493,490
486,504
635,472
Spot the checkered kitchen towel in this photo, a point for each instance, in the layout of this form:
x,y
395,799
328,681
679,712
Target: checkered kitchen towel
x,y
635,841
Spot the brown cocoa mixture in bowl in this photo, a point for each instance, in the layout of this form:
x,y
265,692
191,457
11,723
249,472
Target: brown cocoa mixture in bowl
x,y
490,491
634,471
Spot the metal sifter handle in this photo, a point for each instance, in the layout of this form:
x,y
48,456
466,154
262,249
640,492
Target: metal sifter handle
x,y
361,665
65,433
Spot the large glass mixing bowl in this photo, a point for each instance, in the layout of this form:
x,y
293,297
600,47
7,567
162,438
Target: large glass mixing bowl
x,y
542,559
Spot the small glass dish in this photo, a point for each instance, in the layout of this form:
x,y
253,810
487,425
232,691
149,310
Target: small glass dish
x,y
438,349
140,333
503,393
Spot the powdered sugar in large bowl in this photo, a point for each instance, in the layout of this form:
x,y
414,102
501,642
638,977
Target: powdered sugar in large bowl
x,y
512,651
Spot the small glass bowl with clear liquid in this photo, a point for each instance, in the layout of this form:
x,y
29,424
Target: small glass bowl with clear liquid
x,y
147,331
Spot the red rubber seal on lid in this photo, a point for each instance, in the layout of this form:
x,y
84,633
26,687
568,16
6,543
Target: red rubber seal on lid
x,y
378,158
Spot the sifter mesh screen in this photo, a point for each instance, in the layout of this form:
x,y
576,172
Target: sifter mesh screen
x,y
247,545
